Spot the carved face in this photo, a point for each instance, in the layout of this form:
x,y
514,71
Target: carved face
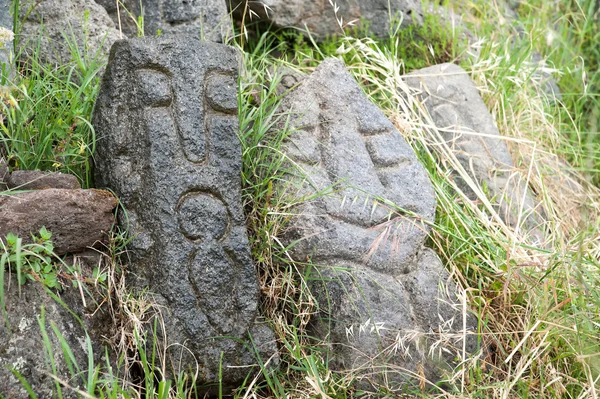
x,y
362,173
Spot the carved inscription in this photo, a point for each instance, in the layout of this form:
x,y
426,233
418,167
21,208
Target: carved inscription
x,y
174,102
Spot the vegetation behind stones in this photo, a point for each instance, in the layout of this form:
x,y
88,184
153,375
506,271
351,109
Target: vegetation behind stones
x,y
539,305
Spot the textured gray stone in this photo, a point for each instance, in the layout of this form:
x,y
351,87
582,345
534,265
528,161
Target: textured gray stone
x,y
207,19
374,280
456,107
22,346
38,180
5,15
319,18
166,122
3,173
78,219
82,21
6,48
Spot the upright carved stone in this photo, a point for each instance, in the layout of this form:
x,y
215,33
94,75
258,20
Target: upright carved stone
x,y
365,196
166,120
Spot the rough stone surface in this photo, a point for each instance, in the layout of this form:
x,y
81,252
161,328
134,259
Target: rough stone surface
x,y
166,122
6,22
38,180
319,18
55,19
5,15
374,280
207,19
456,107
77,218
22,346
3,174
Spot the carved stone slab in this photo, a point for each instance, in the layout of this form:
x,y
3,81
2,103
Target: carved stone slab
x,y
469,129
364,196
166,122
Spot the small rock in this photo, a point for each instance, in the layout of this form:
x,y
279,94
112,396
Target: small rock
x,y
469,129
77,219
38,180
4,174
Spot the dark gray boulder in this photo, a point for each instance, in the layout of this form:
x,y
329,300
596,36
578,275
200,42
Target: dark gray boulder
x,y
55,23
166,122
206,19
466,124
364,198
319,18
31,311
5,14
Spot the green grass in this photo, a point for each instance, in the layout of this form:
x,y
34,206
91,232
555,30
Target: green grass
x,y
46,116
538,305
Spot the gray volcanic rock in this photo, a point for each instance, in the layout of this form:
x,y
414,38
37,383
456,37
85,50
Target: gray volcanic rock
x,y
456,107
206,19
4,174
38,180
83,21
319,18
6,48
78,219
166,121
22,346
5,15
364,196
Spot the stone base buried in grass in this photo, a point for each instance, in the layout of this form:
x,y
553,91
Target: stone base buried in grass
x,y
387,308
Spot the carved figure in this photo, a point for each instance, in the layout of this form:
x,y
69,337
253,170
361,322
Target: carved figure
x,y
166,120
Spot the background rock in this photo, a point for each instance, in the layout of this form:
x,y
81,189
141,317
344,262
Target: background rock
x,y
6,49
166,116
374,280
319,18
22,346
207,19
77,218
5,14
3,173
38,180
81,21
469,129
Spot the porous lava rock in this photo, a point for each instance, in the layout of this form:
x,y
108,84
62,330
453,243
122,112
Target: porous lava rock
x,y
320,18
38,180
385,301
166,122
203,19
77,219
